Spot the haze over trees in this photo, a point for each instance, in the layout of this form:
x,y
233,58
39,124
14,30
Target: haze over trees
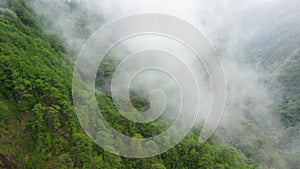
x,y
39,127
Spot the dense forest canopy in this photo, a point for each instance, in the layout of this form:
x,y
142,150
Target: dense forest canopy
x,y
39,127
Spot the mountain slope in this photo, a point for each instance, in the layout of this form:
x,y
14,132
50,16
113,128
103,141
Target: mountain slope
x,y
39,127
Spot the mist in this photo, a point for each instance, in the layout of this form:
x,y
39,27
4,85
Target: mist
x,y
250,101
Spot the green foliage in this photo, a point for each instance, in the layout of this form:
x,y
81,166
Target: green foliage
x,y
290,80
158,166
42,130
5,114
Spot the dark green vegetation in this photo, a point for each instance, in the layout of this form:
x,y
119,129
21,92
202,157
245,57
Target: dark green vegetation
x,y
39,128
280,55
38,124
275,50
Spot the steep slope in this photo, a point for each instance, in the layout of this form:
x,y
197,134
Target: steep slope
x,y
38,126
275,48
277,54
267,39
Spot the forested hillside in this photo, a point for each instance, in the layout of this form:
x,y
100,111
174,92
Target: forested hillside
x,y
269,39
276,51
275,48
39,127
